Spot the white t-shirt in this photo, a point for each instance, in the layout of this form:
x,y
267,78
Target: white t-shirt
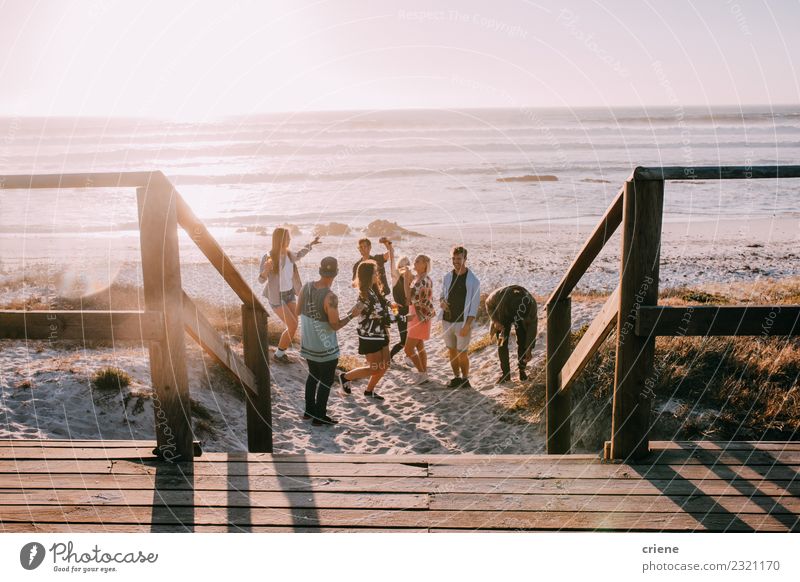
x,y
287,275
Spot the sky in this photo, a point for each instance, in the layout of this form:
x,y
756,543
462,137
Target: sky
x,y
199,60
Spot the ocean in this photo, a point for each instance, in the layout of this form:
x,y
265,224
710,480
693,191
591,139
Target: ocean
x,y
418,168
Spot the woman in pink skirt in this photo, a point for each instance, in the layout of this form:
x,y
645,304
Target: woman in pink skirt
x,y
421,312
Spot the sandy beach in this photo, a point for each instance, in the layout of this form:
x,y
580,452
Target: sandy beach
x,y
47,393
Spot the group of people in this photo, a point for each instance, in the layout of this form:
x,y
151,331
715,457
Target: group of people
x,y
408,303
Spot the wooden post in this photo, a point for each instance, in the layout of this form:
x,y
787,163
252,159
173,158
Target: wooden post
x,y
641,245
256,354
161,272
559,322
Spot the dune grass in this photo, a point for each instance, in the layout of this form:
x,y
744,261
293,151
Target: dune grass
x,y
724,388
111,379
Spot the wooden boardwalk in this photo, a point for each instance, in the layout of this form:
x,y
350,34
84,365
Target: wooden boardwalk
x,y
118,486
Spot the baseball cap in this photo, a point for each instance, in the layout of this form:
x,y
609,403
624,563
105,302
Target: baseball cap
x,y
328,267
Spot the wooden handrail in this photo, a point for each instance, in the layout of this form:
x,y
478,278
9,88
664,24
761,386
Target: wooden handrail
x,y
715,172
709,320
639,207
210,340
209,246
594,244
170,312
79,180
82,325
591,341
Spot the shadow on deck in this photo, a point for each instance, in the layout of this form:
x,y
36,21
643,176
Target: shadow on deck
x,y
117,486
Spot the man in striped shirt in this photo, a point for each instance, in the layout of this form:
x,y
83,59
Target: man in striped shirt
x,y
318,310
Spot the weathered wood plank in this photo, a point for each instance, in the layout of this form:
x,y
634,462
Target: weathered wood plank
x,y
591,341
163,291
558,406
81,180
134,528
691,456
759,320
735,504
188,498
122,467
564,471
497,470
591,248
438,485
71,443
532,520
209,246
81,325
612,503
726,445
643,204
655,447
258,403
715,172
695,456
201,331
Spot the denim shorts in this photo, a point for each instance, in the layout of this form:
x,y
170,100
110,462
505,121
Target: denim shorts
x,y
286,298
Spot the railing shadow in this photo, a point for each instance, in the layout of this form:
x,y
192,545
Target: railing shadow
x,y
237,482
771,470
173,497
302,506
703,506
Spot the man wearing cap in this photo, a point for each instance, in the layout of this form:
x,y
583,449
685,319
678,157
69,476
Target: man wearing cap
x,y
318,310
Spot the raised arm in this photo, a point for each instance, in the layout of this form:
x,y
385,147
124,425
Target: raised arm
x,y
407,286
393,267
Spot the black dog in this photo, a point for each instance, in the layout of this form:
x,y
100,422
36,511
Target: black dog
x,y
513,306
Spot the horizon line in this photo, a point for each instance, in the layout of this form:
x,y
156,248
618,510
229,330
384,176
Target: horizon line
x,y
222,116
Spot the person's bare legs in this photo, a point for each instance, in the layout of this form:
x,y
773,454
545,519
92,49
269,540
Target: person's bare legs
x,y
454,362
412,353
379,364
287,315
375,361
463,364
423,356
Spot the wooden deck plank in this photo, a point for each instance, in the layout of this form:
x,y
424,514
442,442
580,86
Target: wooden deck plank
x,y
238,468
690,471
476,485
655,446
697,486
110,497
533,520
734,504
697,456
135,528
495,470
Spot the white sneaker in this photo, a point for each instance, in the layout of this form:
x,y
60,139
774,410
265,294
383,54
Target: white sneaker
x,y
422,378
408,362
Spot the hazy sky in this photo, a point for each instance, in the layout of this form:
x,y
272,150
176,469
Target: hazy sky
x,y
204,59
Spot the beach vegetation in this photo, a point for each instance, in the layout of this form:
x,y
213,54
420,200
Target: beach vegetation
x,y
717,388
108,379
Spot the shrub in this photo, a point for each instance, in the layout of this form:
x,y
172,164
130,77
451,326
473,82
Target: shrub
x,y
111,379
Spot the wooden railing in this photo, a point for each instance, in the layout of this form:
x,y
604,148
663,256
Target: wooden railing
x,y
633,310
169,311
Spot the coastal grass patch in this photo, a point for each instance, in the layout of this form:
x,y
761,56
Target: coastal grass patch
x,y
720,388
482,343
111,379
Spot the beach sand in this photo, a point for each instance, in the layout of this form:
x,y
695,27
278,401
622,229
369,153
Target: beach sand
x,y
46,389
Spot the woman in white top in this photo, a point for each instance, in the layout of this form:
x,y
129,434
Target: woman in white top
x,y
279,270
